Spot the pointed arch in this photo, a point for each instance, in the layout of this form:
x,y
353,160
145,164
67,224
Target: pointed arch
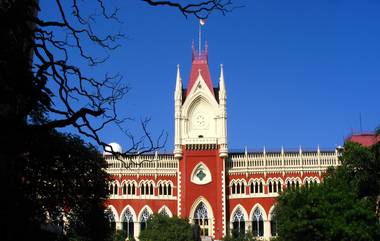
x,y
197,202
239,206
166,209
204,171
130,208
258,217
273,222
142,210
128,219
258,205
201,214
114,212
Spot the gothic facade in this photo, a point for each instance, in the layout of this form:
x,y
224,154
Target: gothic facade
x,y
221,191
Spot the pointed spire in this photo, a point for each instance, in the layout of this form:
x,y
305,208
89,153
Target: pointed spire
x,y
222,86
178,85
264,151
245,151
282,150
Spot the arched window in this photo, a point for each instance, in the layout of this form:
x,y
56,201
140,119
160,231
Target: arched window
x,y
242,187
201,218
129,189
252,188
151,189
273,225
111,218
164,213
160,189
124,188
142,189
274,186
256,187
133,189
258,223
279,186
238,223
297,185
238,188
146,188
261,187
233,188
144,219
270,187
165,190
128,225
169,189
288,185
115,187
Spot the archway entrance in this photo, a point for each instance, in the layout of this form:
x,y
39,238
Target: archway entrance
x,y
201,218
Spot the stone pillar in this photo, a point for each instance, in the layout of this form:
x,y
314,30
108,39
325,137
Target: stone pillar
x,y
266,229
119,225
136,228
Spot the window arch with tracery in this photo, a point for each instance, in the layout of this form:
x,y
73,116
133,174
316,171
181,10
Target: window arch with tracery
x,y
238,223
144,219
273,225
163,212
111,218
127,223
201,218
257,223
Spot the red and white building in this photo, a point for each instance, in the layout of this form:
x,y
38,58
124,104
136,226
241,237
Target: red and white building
x,y
202,180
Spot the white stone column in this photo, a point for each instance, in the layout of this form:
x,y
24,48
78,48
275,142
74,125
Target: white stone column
x,y
266,229
119,225
136,229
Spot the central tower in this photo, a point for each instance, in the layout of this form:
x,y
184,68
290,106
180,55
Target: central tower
x,y
201,147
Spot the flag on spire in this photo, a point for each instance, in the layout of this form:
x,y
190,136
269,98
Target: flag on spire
x,y
202,21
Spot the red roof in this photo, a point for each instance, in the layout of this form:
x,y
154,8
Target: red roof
x,y
200,64
367,139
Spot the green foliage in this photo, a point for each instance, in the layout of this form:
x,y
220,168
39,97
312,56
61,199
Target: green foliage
x,y
239,237
61,175
163,228
340,208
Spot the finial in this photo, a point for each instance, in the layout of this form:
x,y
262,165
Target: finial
x,y
300,149
245,151
264,151
282,149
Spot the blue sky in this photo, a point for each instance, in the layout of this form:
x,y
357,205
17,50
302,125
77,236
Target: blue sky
x,y
297,72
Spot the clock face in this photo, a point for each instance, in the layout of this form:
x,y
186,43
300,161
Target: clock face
x,y
200,121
